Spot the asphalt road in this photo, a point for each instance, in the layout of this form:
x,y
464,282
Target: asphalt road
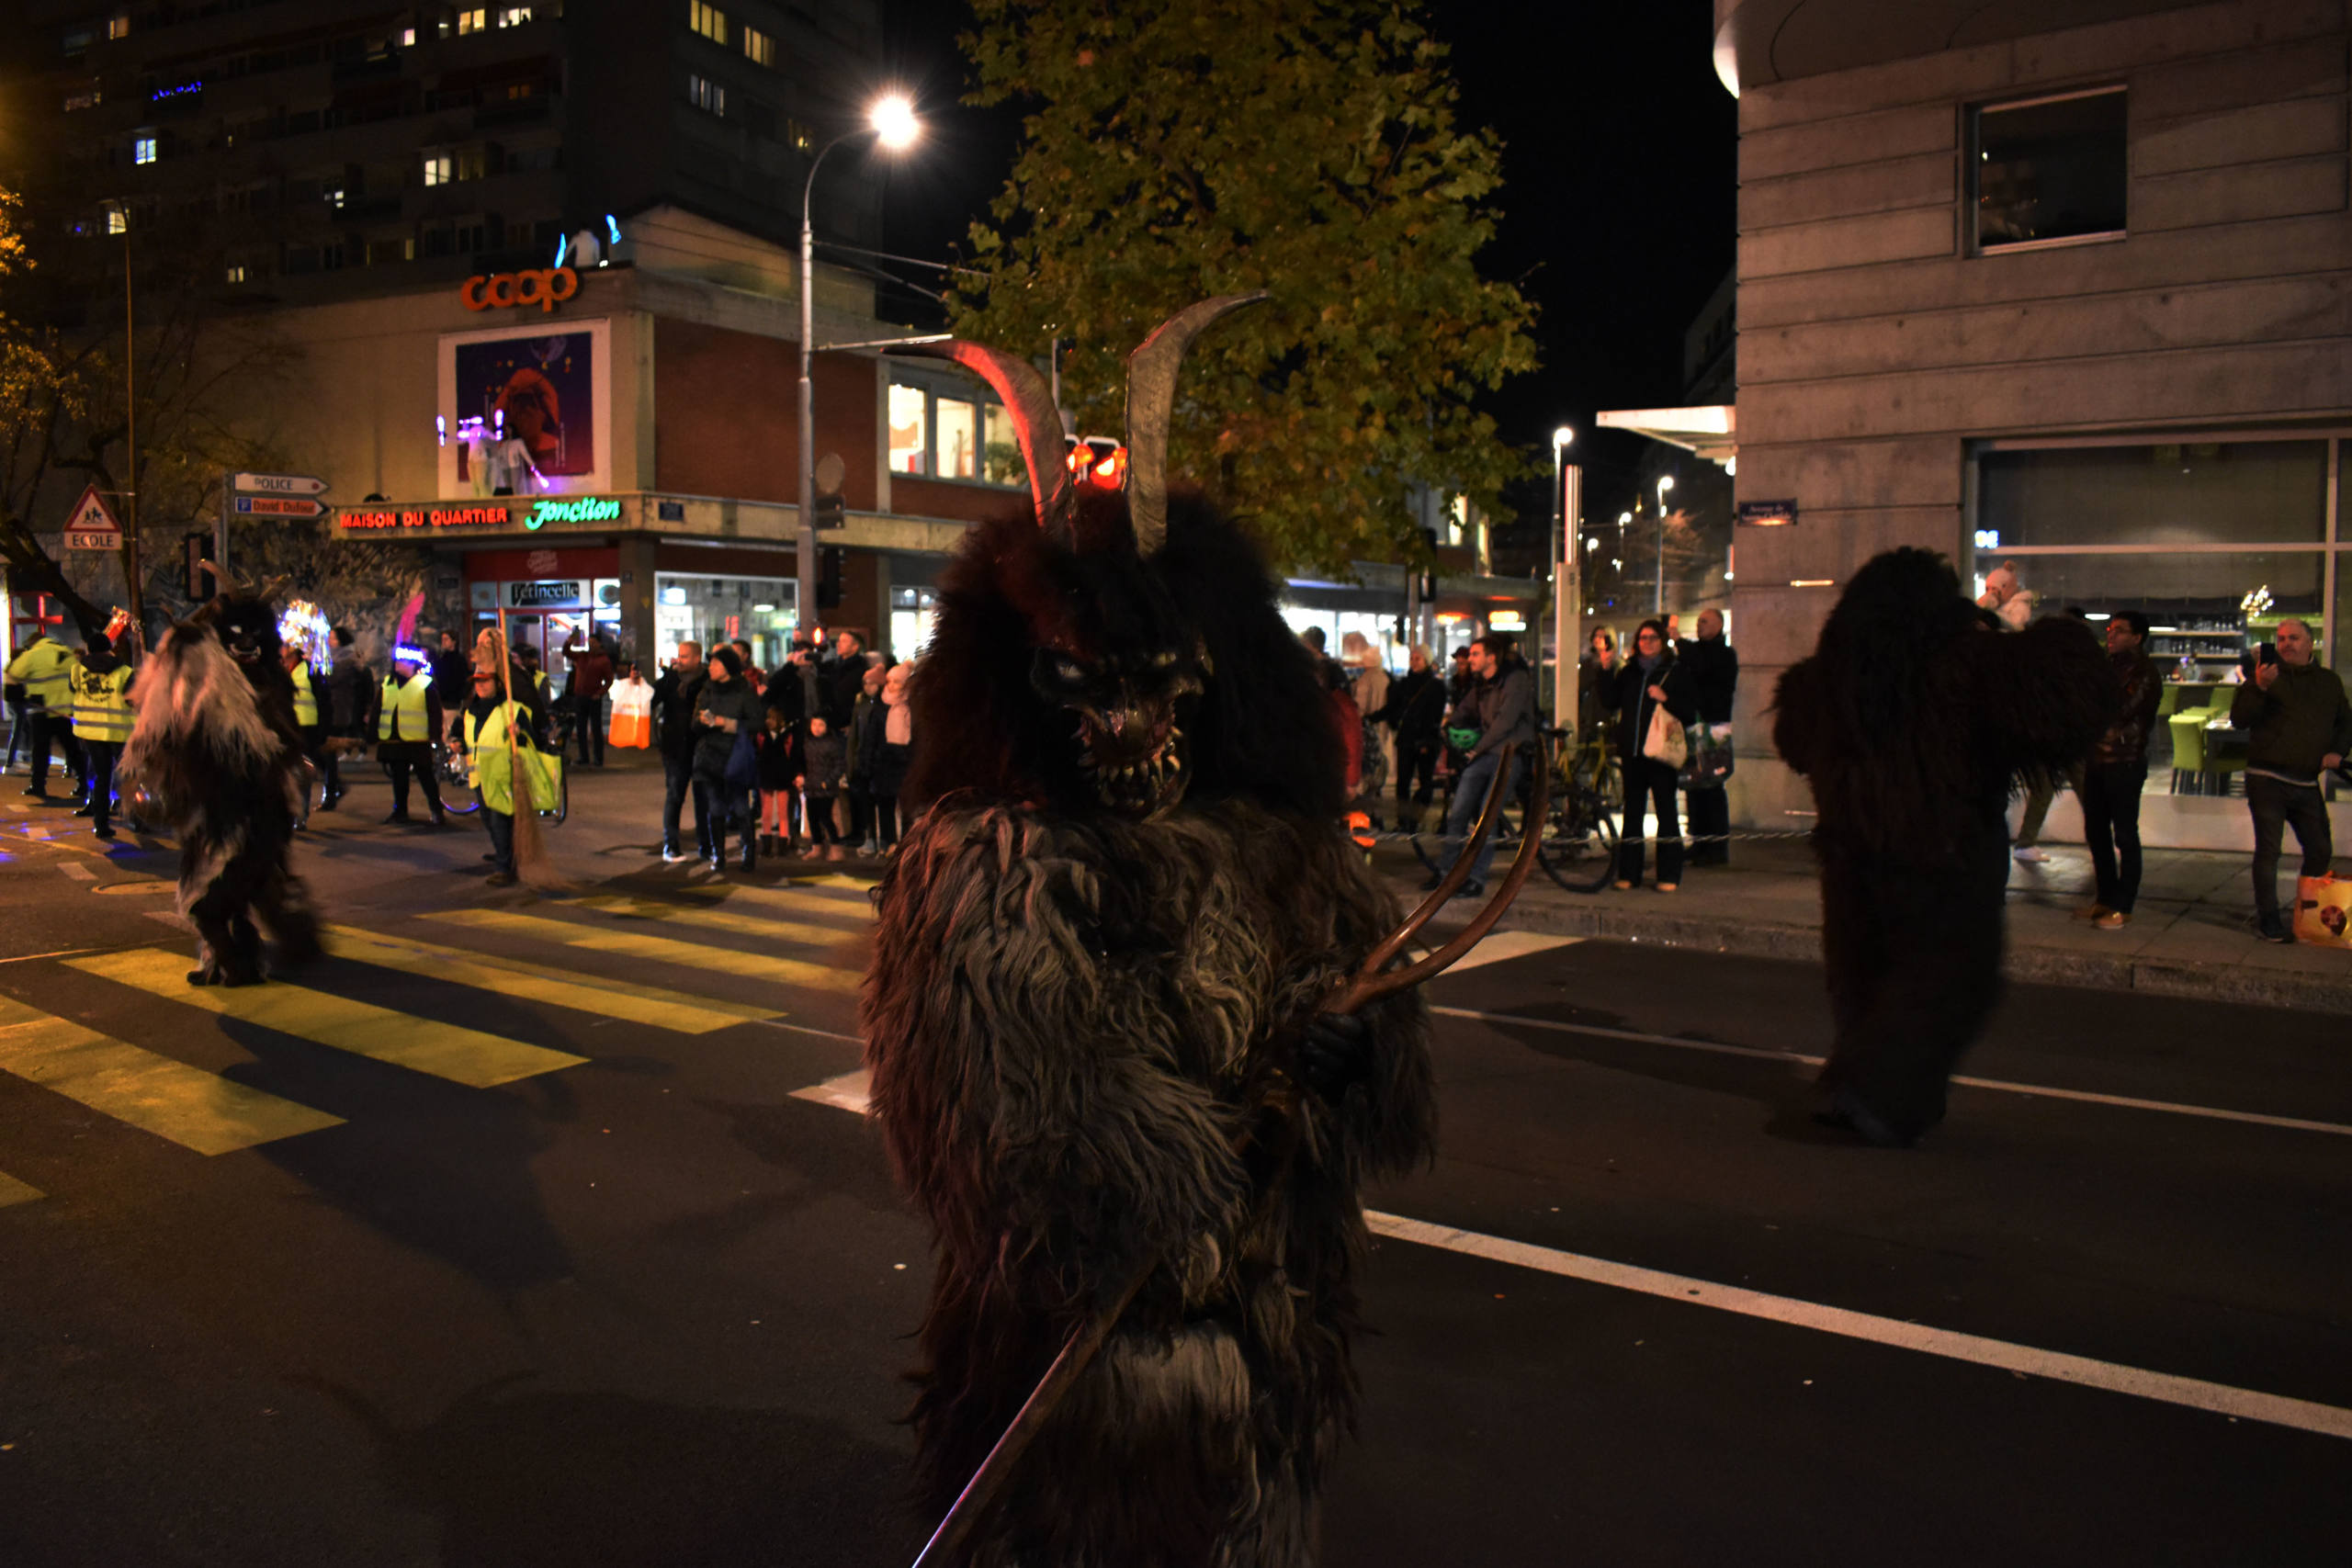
x,y
448,1254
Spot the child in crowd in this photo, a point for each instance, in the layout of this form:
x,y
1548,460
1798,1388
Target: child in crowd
x,y
780,765
824,764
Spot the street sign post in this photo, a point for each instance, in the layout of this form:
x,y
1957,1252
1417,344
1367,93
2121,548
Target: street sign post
x,y
92,524
279,484
278,506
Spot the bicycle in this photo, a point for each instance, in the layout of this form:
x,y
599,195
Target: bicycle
x,y
455,770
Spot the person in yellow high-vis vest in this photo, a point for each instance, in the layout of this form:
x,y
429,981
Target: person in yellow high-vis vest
x,y
100,682
408,722
44,666
483,725
310,723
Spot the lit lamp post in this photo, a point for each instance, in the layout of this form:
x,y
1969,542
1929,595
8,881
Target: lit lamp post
x,y
1566,493
892,122
1664,485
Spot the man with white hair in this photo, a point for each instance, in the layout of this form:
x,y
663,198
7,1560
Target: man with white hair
x,y
2298,725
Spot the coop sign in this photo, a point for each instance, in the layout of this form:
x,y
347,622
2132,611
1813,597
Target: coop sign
x,y
544,286
586,509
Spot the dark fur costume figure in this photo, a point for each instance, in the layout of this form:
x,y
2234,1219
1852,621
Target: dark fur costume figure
x,y
1913,720
215,752
1119,910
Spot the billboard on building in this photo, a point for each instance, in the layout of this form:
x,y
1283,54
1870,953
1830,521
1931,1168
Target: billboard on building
x,y
526,411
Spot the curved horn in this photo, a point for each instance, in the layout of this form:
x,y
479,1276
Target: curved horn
x,y
1151,402
1035,421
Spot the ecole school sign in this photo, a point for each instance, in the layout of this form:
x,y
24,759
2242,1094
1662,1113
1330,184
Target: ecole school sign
x,y
544,286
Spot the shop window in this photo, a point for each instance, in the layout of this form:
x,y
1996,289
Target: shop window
x,y
712,610
2159,496
707,20
912,612
906,421
958,431
758,48
707,96
2049,170
119,25
1000,453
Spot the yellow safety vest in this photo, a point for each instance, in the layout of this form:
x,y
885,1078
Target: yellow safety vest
x,y
406,715
101,711
306,701
46,666
492,769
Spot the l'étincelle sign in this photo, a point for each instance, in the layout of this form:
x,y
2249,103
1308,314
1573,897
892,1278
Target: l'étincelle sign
x,y
527,595
530,515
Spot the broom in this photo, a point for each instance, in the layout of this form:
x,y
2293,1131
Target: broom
x,y
532,865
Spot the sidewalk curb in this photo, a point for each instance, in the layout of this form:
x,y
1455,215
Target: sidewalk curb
x,y
2034,966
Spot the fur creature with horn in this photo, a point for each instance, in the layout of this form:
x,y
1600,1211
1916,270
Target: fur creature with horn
x,y
214,751
1092,1018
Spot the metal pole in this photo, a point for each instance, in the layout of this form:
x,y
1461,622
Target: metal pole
x,y
130,438
1567,600
220,529
804,589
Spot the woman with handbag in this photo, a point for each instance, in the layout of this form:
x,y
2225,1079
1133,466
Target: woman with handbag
x,y
726,717
1649,696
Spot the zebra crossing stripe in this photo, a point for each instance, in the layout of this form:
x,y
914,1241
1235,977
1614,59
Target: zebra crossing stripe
x,y
713,919
14,1191
800,899
657,949
447,1051
564,988
194,1108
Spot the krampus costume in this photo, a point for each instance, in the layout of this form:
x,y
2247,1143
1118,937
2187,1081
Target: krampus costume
x,y
1098,955
1914,718
215,752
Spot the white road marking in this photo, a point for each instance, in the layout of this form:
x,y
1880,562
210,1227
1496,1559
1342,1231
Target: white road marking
x,y
2003,1086
849,1092
2304,1414
804,1029
78,872
1504,945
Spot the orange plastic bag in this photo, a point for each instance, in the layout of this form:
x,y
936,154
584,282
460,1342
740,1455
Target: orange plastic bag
x,y
632,721
2324,911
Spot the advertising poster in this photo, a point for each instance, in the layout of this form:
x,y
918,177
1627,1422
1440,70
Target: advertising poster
x,y
539,389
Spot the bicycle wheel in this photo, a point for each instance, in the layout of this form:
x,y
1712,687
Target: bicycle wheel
x,y
1579,848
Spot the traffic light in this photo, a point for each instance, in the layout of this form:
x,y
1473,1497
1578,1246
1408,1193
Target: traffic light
x,y
828,577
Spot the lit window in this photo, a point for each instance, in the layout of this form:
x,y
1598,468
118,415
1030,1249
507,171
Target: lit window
x,y
473,21
116,223
797,134
707,20
88,100
959,440
118,26
473,162
2051,169
1000,455
332,197
907,430
438,167
514,16
143,150
758,48
236,272
408,38
707,95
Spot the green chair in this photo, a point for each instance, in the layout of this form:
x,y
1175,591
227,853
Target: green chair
x,y
2169,700
2188,750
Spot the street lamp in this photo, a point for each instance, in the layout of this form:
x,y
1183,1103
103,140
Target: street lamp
x,y
1564,588
1665,484
891,122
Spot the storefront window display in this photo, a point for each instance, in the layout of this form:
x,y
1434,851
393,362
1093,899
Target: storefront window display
x,y
2215,542
712,610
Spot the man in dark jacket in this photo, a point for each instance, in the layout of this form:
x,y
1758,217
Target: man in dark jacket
x,y
673,736
725,709
1711,672
1505,691
2298,726
592,677
2117,770
453,674
845,678
1416,710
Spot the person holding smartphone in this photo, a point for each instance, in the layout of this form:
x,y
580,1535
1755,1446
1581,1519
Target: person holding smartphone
x,y
2298,725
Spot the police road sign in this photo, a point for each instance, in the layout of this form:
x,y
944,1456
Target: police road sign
x,y
279,484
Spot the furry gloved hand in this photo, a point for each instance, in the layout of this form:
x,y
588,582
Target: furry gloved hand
x,y
1335,1054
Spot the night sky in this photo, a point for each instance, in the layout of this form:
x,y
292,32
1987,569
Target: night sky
x,y
1620,164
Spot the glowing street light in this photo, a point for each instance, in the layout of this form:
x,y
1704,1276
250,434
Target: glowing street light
x,y
1658,604
892,122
